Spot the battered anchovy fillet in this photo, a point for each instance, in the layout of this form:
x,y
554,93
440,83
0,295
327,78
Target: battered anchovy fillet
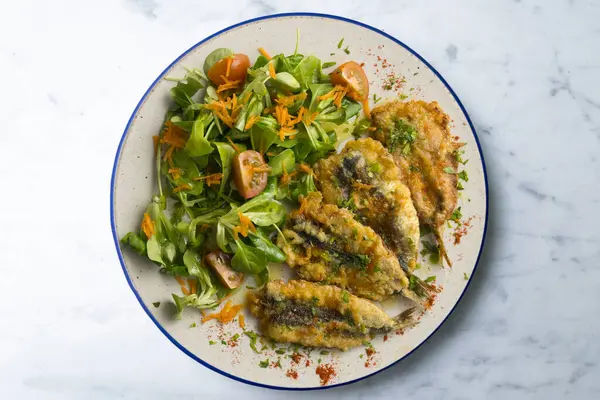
x,y
418,136
365,179
320,315
324,243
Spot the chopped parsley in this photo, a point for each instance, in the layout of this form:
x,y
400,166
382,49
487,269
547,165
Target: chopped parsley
x,y
463,175
377,268
375,167
235,337
403,96
264,363
280,351
224,343
345,297
341,43
324,353
319,361
449,170
459,157
361,355
253,336
456,216
328,64
346,50
212,342
466,276
402,136
417,266
367,343
156,304
193,325
315,299
431,250
459,185
376,98
430,279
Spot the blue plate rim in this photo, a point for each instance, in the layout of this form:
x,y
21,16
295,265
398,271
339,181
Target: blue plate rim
x,y
116,164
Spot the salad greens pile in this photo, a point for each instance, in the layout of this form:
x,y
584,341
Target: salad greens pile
x,y
286,110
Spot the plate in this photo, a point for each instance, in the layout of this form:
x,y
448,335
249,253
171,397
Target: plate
x,y
393,70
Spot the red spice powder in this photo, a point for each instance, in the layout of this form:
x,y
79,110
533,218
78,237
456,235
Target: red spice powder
x,y
385,338
296,357
307,364
370,355
326,373
291,373
461,230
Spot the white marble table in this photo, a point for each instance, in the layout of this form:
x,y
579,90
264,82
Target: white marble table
x,y
527,71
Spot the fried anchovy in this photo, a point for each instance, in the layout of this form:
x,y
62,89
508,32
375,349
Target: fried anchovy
x,y
418,136
320,315
365,179
324,243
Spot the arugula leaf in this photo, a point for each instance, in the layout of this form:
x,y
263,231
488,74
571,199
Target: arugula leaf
x,y
284,160
263,134
306,71
215,56
154,251
248,259
136,242
226,154
272,252
197,145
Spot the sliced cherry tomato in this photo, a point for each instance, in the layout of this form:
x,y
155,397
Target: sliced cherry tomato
x,y
238,69
221,264
352,75
250,173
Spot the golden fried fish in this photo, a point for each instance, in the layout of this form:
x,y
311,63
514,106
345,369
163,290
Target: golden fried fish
x,y
418,136
365,179
324,243
320,315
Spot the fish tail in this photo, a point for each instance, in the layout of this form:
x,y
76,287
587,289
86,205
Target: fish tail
x,y
405,319
419,291
441,246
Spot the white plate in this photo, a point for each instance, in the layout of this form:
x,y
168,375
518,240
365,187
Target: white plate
x,y
133,183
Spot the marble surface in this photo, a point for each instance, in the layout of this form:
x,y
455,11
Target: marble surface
x,y
527,71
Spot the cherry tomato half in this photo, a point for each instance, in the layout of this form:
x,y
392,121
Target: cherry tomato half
x,y
237,70
352,75
250,173
221,264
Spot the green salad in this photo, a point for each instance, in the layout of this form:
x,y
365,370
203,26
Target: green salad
x,y
233,154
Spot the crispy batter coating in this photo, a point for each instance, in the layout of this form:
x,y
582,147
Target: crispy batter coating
x,y
324,243
418,136
365,179
320,315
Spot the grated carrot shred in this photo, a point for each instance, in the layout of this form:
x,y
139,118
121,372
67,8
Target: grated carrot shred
x,y
226,315
147,226
228,84
193,285
212,179
235,147
302,206
251,121
242,321
371,129
179,188
180,280
264,53
306,169
272,71
228,69
175,172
